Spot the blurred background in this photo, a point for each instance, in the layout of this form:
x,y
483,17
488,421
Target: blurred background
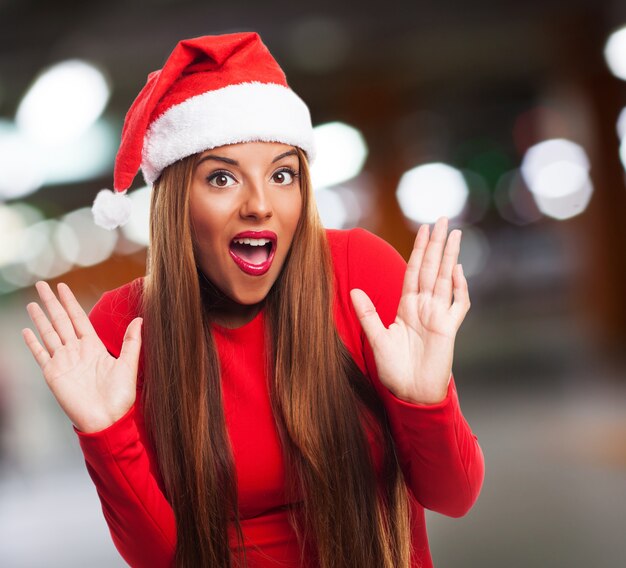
x,y
505,116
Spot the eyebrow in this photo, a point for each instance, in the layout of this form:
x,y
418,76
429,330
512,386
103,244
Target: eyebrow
x,y
236,163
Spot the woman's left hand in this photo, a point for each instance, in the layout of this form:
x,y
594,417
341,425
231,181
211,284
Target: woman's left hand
x,y
414,355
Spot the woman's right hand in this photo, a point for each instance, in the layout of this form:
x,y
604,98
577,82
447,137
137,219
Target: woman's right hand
x,y
93,388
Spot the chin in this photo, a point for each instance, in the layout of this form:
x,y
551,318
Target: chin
x,y
248,298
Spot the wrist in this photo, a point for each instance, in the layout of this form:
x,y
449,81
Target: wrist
x,y
425,398
95,424
423,401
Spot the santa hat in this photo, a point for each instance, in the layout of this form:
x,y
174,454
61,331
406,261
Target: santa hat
x,y
212,90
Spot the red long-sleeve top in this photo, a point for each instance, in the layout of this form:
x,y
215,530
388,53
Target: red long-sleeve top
x,y
439,455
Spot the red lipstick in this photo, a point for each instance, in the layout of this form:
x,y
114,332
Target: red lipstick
x,y
244,260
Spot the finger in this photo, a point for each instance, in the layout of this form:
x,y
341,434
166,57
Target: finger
x,y
461,304
58,315
432,256
443,286
38,351
48,335
410,284
131,347
77,315
366,312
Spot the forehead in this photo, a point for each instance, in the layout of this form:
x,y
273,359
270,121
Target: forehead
x,y
250,150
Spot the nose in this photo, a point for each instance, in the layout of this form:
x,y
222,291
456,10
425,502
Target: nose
x,y
256,204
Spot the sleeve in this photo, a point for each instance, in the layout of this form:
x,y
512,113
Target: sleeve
x,y
122,465
438,453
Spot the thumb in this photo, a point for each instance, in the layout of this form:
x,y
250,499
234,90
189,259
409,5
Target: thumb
x,y
366,312
131,346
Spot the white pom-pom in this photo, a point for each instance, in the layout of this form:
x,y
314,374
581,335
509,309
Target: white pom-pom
x,y
111,209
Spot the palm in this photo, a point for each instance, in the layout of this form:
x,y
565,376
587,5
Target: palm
x,y
414,354
93,388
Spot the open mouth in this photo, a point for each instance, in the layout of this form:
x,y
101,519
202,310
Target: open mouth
x,y
253,254
252,251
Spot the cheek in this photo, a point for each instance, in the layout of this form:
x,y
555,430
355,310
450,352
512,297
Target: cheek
x,y
205,243
291,212
207,220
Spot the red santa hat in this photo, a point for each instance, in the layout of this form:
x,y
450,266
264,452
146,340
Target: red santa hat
x,y
212,91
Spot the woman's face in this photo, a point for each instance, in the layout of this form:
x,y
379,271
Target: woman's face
x,y
245,203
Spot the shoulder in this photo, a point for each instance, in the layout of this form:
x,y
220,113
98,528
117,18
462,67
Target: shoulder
x,y
361,246
363,260
113,312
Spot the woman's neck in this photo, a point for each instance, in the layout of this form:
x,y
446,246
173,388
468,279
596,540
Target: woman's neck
x,y
225,311
235,316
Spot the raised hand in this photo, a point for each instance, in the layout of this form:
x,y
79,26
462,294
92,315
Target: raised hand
x,y
414,355
93,388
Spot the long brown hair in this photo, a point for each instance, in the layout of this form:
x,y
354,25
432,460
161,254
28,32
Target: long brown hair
x,y
322,403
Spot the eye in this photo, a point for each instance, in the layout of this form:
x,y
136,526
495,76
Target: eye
x,y
285,176
221,179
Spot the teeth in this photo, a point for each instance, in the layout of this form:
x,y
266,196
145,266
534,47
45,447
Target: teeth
x,y
252,242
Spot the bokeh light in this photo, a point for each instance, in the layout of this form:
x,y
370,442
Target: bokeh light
x,y
621,124
63,102
34,247
14,222
559,179
475,250
514,201
81,242
353,202
430,191
86,157
549,152
26,165
331,208
567,205
15,276
137,229
557,173
11,226
615,53
42,259
20,166
341,153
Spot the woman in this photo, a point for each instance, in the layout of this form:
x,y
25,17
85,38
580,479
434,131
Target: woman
x,y
291,402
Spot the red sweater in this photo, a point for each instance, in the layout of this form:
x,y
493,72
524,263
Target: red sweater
x,y
440,457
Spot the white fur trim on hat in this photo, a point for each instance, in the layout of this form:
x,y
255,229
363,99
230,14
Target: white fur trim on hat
x,y
244,112
111,209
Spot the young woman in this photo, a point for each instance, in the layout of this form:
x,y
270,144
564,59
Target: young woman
x,y
288,400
